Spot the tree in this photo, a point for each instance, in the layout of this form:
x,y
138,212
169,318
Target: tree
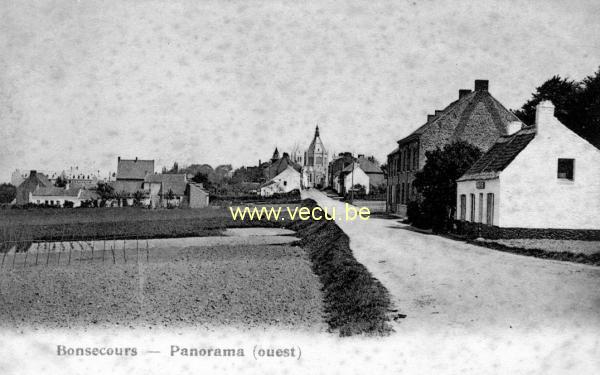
x,y
170,195
60,182
436,183
8,193
202,178
105,191
577,105
137,197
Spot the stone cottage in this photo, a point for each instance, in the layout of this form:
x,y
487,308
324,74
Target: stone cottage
x,y
542,176
475,117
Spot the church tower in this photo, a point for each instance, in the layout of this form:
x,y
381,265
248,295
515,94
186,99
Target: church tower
x,y
315,163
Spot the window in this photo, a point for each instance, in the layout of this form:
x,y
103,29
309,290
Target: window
x,y
284,183
480,207
416,159
472,216
402,194
490,209
463,206
566,169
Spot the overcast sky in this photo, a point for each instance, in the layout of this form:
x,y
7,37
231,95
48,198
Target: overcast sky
x,y
82,82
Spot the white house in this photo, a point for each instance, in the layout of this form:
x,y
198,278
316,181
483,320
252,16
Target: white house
x,y
57,196
354,175
284,182
542,176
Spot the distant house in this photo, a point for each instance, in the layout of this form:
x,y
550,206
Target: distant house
x,y
57,196
351,176
371,169
543,176
197,196
165,190
130,177
27,186
475,117
284,182
278,165
336,166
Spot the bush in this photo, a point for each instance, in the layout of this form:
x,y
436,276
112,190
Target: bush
x,y
417,216
68,204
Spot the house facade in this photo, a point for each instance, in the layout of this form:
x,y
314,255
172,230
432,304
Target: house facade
x,y
543,176
286,181
475,117
336,166
351,176
314,172
57,196
197,196
165,190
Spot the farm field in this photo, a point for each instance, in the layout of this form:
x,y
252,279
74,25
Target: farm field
x,y
247,284
130,222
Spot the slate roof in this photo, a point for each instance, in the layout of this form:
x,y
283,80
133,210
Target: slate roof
x,y
136,169
174,182
55,191
502,153
128,187
459,114
279,166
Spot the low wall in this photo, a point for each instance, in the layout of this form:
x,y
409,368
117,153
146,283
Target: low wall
x,y
474,230
374,206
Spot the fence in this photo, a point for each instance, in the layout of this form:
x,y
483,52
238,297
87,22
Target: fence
x,y
25,253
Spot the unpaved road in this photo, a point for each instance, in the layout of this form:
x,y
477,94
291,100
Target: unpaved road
x,y
445,285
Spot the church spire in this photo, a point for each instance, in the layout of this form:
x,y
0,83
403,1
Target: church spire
x,y
317,131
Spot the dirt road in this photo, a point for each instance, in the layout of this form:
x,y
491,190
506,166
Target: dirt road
x,y
446,285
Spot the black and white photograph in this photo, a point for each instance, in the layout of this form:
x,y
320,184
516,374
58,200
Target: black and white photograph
x,y
299,187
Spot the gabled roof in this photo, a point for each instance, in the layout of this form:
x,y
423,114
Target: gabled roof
x,y
279,166
502,153
458,115
173,182
368,166
136,169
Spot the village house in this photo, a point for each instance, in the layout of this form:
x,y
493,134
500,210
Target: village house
x,y
130,178
475,117
285,182
352,176
28,186
542,176
277,165
165,190
336,166
57,196
197,196
314,172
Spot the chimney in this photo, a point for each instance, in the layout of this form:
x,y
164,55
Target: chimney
x,y
481,84
463,92
32,173
544,113
438,112
136,159
513,127
430,118
118,158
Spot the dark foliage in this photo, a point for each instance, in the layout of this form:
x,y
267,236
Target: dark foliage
x,y
60,182
577,105
8,192
436,182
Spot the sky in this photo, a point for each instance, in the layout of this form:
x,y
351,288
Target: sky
x,y
225,82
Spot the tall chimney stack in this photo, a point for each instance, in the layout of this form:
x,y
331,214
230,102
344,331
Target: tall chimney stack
x,y
481,84
430,118
544,113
